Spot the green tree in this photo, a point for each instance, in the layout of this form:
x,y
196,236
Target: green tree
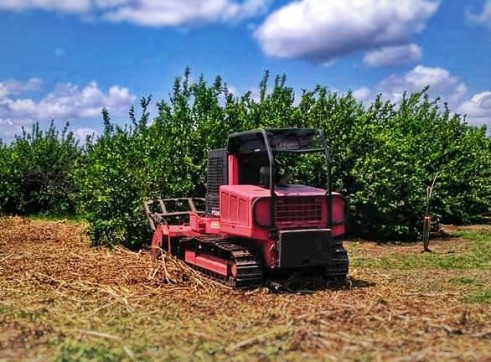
x,y
36,172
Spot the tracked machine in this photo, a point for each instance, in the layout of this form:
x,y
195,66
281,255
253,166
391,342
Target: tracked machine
x,y
252,220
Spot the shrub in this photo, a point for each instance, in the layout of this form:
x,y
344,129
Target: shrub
x,y
36,172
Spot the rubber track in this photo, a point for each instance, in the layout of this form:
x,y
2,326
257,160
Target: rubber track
x,y
338,269
249,267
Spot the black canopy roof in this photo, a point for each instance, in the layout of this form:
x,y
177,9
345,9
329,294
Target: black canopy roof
x,y
279,139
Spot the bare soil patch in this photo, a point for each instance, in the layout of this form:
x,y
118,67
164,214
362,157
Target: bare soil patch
x,y
61,299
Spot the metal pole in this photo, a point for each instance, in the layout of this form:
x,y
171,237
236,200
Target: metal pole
x,y
271,181
427,218
328,179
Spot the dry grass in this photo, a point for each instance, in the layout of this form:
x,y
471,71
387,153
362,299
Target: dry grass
x,y
63,300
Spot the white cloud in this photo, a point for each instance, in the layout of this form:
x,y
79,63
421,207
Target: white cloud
x,y
13,86
484,17
3,91
442,84
248,9
65,102
362,93
69,101
156,13
183,13
322,30
478,107
8,130
69,6
392,55
82,133
451,89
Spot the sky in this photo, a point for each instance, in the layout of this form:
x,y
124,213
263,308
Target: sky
x,y
64,60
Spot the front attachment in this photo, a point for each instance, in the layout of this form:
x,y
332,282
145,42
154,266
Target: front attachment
x,y
312,248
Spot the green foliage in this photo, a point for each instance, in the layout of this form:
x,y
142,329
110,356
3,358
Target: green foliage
x,y
383,156
482,297
76,351
112,181
36,172
465,281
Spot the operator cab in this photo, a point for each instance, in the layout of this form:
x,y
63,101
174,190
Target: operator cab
x,y
261,155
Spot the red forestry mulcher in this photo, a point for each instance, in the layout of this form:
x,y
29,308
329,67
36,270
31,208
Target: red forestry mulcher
x,y
252,220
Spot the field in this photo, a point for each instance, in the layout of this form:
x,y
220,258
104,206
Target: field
x,y
62,300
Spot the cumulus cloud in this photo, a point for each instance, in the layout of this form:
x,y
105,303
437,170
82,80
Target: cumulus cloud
x,y
179,13
393,55
13,86
65,102
442,84
450,88
478,107
156,13
322,30
69,101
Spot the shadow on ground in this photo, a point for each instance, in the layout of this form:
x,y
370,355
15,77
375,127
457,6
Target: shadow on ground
x,y
301,283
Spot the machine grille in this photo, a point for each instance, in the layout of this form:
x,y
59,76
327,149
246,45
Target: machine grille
x,y
217,176
299,209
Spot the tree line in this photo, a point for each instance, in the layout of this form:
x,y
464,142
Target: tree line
x,y
383,155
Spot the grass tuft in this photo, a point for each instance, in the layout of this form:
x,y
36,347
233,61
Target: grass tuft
x,y
465,281
482,297
74,351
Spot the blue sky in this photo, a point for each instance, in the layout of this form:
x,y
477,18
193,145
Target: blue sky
x,y
66,59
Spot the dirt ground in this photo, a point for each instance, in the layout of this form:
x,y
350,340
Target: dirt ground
x,y
61,299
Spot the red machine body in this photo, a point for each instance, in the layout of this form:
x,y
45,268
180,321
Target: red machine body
x,y
251,222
